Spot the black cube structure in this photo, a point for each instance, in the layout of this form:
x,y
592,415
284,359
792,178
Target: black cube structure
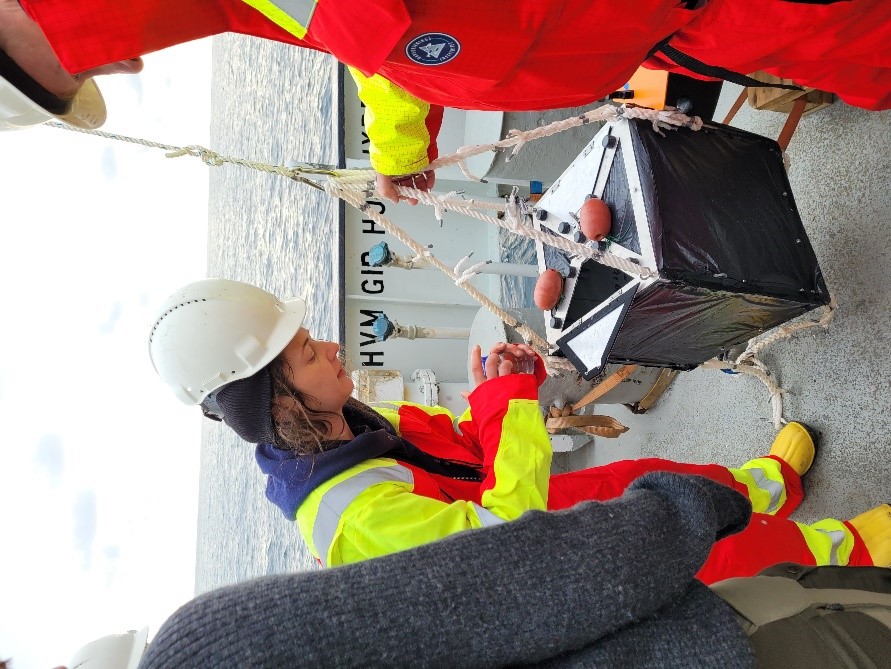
x,y
712,211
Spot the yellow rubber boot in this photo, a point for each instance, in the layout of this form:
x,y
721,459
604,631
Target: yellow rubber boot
x,y
874,527
796,445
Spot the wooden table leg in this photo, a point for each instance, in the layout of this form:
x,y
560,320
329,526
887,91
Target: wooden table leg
x,y
792,122
736,105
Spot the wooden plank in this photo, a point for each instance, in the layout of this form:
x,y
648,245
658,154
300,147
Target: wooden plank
x,y
783,100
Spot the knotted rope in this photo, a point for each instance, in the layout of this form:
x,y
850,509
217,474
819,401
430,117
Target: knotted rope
x,y
601,426
665,119
748,363
211,158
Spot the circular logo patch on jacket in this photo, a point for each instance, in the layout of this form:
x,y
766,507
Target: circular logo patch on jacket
x,y
432,49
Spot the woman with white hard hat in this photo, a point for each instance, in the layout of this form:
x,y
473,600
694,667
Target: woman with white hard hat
x,y
363,482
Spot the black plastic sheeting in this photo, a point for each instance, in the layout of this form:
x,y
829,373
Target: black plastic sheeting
x,y
671,325
617,196
722,214
732,253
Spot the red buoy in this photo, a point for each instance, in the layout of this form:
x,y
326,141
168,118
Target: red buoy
x,y
548,290
595,220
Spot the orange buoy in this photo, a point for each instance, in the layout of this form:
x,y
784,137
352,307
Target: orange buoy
x,y
548,290
595,220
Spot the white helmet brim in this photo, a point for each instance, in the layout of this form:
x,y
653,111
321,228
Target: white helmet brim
x,y
18,111
115,651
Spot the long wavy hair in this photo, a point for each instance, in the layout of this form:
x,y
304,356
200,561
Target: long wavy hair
x,y
298,428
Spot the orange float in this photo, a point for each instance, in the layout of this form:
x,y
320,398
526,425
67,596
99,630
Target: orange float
x,y
595,220
548,290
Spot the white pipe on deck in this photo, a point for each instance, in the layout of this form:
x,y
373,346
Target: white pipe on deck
x,y
425,332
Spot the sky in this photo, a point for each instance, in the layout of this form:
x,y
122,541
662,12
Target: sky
x,y
99,461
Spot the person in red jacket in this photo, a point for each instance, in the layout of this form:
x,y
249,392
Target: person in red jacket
x,y
412,57
362,482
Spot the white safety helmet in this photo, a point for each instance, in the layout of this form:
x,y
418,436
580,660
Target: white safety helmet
x,y
25,103
115,651
216,331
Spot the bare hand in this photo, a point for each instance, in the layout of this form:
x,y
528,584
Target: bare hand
x,y
503,359
387,186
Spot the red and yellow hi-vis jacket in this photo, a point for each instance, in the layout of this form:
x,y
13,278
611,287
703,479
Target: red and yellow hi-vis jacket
x,y
433,475
410,56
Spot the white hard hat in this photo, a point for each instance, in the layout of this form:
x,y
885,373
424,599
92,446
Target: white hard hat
x,y
216,331
25,103
115,651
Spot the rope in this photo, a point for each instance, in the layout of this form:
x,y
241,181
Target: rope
x,y
355,186
212,158
515,213
664,119
470,272
556,365
661,119
357,200
754,367
364,179
748,362
785,331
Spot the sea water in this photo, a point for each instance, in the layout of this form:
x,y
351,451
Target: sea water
x,y
274,104
277,104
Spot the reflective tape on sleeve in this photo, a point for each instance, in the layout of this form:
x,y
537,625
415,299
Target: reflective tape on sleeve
x,y
335,501
292,15
487,518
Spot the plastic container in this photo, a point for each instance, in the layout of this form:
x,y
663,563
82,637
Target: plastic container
x,y
524,365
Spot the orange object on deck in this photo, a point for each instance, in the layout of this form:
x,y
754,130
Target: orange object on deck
x,y
648,87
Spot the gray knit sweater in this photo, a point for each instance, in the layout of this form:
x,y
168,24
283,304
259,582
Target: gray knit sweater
x,y
599,585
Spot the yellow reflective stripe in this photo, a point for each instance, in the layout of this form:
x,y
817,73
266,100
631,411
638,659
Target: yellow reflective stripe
x,y
292,15
390,415
395,122
829,541
522,465
763,479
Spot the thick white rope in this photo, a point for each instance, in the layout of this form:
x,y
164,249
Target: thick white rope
x,y
754,367
207,156
357,200
515,214
661,119
748,362
755,347
469,272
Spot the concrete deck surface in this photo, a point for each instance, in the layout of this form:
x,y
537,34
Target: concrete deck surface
x,y
838,380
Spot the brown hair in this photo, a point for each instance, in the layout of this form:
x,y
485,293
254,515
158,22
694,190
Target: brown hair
x,y
298,429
